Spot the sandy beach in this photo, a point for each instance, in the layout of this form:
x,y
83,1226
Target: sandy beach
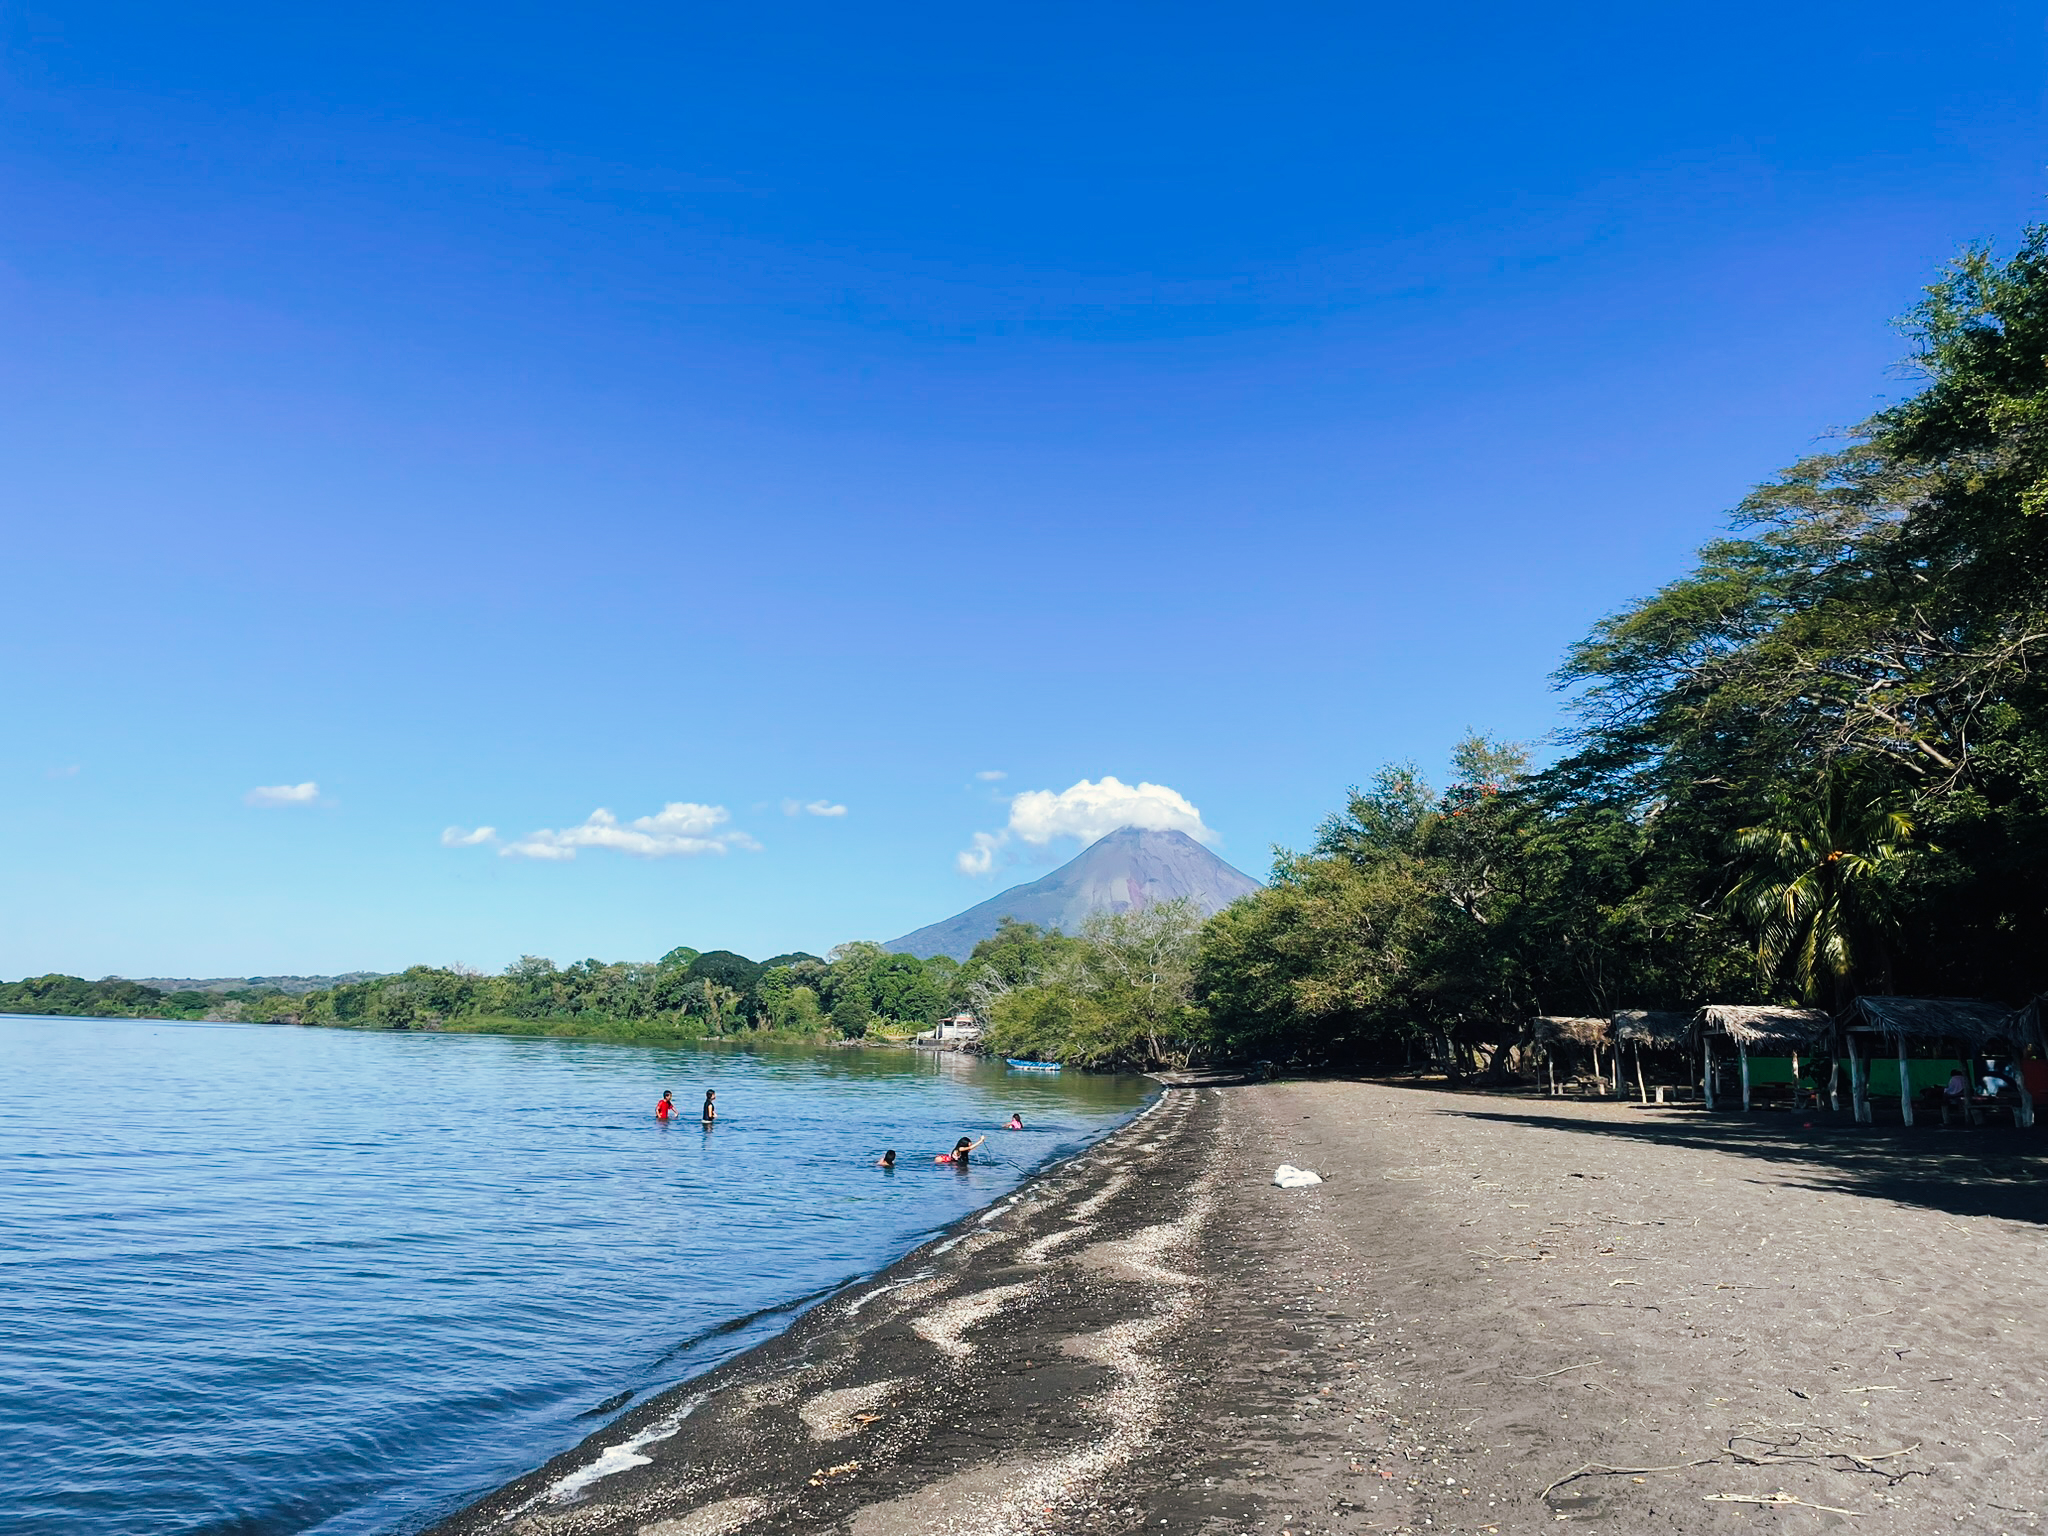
x,y
1496,1314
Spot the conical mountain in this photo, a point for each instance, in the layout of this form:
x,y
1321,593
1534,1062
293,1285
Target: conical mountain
x,y
1130,868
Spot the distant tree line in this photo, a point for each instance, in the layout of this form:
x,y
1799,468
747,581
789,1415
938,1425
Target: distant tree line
x,y
686,994
111,998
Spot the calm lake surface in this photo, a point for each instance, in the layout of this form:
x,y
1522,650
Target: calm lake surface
x,y
259,1279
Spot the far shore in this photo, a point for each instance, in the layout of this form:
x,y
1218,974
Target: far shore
x,y
1493,1315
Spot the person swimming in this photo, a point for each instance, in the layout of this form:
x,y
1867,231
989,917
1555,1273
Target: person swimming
x,y
887,1159
667,1106
962,1150
1016,1123
710,1105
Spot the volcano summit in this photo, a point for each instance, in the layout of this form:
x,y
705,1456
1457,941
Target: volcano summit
x,y
1130,868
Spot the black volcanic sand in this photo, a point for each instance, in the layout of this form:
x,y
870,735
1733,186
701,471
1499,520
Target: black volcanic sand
x,y
1721,1324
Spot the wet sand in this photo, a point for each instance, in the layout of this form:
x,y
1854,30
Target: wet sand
x,y
1718,1324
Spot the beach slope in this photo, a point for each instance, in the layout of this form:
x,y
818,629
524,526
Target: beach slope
x,y
1494,1316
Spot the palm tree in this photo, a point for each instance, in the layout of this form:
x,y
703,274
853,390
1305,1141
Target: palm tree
x,y
1817,884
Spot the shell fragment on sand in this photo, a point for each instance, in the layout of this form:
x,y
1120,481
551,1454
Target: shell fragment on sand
x,y
1287,1176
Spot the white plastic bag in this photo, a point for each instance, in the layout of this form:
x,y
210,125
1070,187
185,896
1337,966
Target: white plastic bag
x,y
1287,1176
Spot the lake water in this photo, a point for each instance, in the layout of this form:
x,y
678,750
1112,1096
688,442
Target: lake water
x,y
262,1279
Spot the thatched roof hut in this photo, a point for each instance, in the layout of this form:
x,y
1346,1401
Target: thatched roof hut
x,y
1552,1030
1549,1028
1657,1030
1750,1028
1753,1027
1967,1020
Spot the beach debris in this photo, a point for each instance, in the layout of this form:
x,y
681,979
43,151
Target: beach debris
x,y
1560,1371
835,1415
1778,1500
1287,1176
1775,1454
824,1475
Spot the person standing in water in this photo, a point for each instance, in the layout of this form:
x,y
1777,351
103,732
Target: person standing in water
x,y
667,1106
962,1149
1016,1123
887,1160
710,1105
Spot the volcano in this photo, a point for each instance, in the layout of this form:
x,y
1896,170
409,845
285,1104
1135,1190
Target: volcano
x,y
1129,869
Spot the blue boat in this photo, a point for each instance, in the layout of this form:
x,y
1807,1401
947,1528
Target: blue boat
x,y
1031,1066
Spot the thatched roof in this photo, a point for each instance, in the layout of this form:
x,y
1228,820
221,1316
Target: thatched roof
x,y
1581,1031
1925,1018
1648,1026
1751,1026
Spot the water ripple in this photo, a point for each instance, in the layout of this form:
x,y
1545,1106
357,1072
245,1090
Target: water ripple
x,y
258,1280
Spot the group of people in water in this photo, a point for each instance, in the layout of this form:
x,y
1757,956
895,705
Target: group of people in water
x,y
963,1149
665,1111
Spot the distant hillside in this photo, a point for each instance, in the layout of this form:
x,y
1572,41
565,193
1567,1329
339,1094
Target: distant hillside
x,y
1129,868
292,986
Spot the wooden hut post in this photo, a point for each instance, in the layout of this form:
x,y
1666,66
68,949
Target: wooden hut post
x,y
1905,1083
1599,1072
1742,1049
1859,1083
1707,1068
1795,1079
1550,1071
1644,1093
1835,1084
1617,1069
2025,1117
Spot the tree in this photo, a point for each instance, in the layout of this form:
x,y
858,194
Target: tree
x,y
851,1014
1312,964
1818,890
723,1005
846,976
1120,994
799,1011
1140,965
734,973
900,990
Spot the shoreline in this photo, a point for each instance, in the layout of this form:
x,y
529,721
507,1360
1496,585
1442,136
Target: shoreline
x,y
896,1341
1494,1316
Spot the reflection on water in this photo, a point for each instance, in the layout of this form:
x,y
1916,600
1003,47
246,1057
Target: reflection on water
x,y
263,1279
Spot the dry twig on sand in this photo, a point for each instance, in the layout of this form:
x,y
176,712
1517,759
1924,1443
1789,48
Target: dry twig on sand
x,y
1777,1455
1559,1371
1778,1500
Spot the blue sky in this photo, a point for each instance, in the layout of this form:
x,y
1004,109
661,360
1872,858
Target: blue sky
x,y
492,415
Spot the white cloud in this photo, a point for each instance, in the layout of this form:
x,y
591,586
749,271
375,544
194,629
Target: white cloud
x,y
679,829
991,775
980,859
1087,811
457,837
283,794
812,808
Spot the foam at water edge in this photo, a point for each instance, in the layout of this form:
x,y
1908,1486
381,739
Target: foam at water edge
x,y
622,1457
